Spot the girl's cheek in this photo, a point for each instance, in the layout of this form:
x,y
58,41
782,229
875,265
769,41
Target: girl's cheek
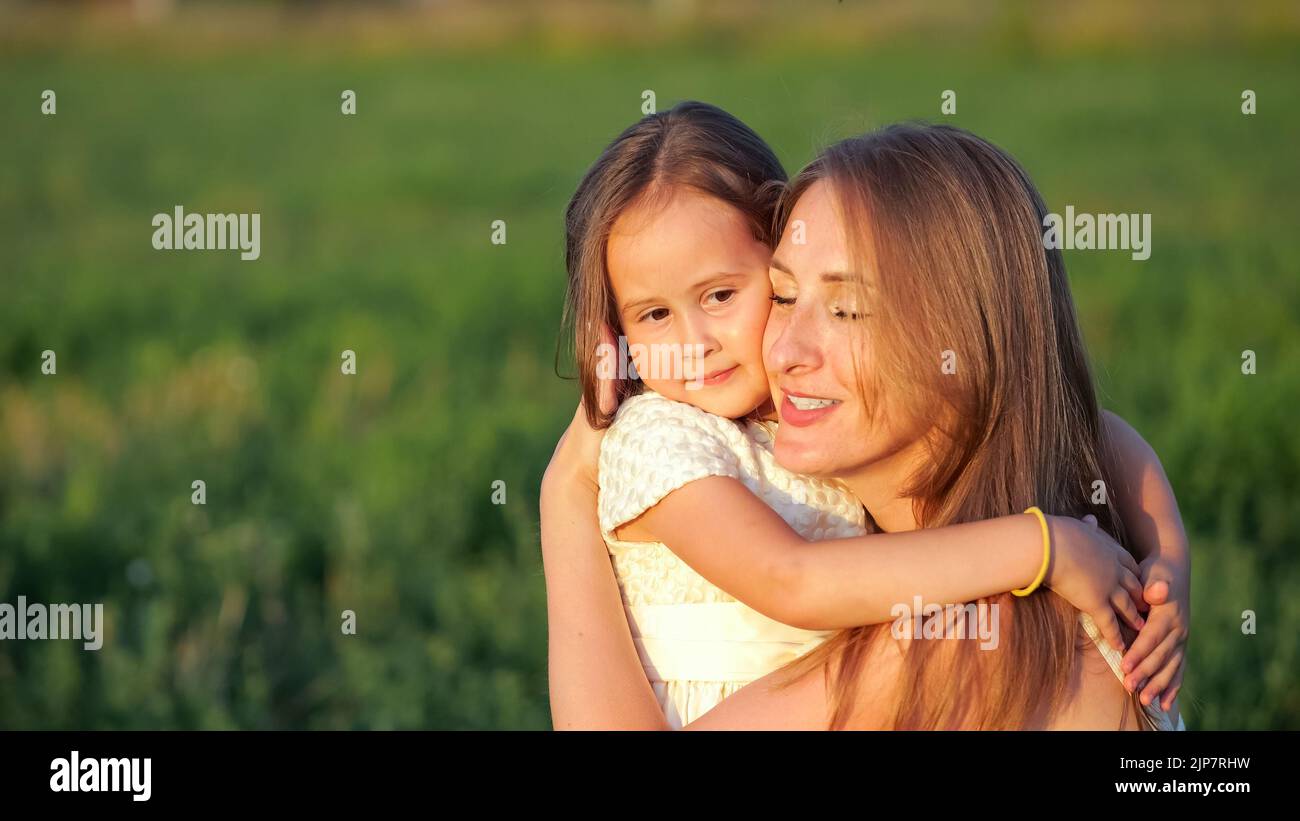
x,y
772,328
638,359
756,316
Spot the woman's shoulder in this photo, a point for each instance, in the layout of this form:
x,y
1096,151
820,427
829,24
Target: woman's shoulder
x,y
1104,662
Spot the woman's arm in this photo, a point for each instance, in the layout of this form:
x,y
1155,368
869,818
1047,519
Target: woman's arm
x,y
774,703
730,537
596,679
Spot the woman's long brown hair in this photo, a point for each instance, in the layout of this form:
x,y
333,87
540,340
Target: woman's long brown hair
x,y
952,227
692,145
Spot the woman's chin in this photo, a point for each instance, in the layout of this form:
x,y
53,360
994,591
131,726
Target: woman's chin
x,y
798,457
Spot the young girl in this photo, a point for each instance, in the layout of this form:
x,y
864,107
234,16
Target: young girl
x,y
669,244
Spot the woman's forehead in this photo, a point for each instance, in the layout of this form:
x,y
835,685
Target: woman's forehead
x,y
813,242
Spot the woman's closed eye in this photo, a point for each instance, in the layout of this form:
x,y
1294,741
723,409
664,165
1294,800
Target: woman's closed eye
x,y
836,310
845,306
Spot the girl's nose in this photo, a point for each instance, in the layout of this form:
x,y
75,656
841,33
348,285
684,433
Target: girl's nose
x,y
700,337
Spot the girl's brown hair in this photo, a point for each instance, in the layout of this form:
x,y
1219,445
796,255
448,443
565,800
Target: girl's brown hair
x,y
693,144
952,227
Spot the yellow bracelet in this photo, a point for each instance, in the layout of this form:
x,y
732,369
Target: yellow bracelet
x,y
1047,554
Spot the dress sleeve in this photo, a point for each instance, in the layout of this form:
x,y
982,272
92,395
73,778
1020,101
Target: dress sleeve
x,y
656,446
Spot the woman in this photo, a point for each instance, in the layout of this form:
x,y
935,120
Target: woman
x,y
924,313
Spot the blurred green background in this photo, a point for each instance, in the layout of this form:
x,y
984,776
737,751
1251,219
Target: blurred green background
x,y
373,492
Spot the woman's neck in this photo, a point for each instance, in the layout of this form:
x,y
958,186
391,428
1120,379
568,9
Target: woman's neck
x,y
878,487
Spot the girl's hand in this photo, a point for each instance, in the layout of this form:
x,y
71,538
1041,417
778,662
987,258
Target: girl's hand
x,y
1154,664
1094,573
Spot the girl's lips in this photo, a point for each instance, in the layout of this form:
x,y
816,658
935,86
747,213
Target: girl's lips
x,y
802,418
718,377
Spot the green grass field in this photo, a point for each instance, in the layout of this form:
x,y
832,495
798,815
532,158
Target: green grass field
x,y
373,493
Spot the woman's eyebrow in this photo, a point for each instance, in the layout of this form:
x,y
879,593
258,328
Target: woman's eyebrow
x,y
828,276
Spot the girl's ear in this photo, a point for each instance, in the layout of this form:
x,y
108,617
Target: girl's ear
x,y
607,391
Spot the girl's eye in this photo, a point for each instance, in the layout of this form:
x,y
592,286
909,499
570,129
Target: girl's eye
x,y
781,300
721,297
655,315
840,313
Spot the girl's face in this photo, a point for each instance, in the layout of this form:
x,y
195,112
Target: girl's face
x,y
828,427
691,285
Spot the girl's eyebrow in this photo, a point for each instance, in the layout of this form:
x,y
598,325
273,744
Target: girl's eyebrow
x,y
638,304
721,276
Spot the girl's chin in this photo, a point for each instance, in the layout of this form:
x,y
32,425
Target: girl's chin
x,y
730,403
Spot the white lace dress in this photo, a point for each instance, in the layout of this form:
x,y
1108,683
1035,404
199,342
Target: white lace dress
x,y
697,644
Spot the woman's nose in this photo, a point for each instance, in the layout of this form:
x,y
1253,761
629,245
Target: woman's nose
x,y
794,344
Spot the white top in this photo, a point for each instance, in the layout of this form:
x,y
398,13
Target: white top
x,y
697,644
1154,716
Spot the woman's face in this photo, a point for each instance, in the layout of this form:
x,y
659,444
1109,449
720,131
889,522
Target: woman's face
x,y
828,427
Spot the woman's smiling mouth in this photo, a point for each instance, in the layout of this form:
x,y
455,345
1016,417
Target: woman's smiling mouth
x,y
801,410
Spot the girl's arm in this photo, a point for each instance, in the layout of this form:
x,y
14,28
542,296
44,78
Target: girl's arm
x,y
730,537
1142,495
1146,504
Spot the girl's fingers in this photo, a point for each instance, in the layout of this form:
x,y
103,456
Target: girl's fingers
x,y
1142,675
1171,692
1157,592
1161,680
1148,638
1122,601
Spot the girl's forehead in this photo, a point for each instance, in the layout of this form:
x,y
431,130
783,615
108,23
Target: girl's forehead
x,y
683,240
677,210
